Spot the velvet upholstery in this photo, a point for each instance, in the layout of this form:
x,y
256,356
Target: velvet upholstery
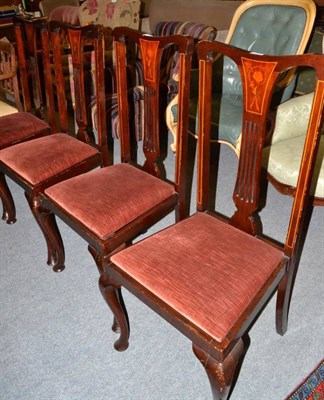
x,y
58,152
131,192
19,127
195,283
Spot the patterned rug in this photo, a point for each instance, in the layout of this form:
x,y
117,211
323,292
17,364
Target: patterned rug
x,y
312,388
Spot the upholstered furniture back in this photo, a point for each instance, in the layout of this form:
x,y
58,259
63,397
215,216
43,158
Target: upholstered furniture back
x,y
264,29
111,13
195,30
279,28
212,12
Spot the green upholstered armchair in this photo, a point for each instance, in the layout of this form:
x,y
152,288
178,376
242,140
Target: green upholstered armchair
x,y
282,157
274,27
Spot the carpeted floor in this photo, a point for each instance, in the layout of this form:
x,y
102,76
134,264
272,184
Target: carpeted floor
x,y
55,337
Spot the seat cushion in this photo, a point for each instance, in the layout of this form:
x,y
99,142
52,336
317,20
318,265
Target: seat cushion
x,y
282,160
122,193
19,127
206,270
38,160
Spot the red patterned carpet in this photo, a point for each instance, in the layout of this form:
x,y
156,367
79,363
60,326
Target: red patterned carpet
x,y
312,388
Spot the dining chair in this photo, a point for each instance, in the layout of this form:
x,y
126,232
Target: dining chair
x,y
209,276
110,207
35,165
20,126
276,27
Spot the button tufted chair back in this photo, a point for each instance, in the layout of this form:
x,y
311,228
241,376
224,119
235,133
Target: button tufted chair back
x,y
272,27
267,28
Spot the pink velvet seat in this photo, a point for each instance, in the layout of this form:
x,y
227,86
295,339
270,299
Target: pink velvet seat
x,y
19,127
59,152
212,289
122,194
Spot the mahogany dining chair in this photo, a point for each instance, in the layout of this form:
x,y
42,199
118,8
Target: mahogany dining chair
x,y
110,207
210,276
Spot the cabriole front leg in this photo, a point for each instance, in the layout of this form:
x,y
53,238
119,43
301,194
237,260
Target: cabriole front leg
x,y
9,209
99,262
220,375
47,223
111,292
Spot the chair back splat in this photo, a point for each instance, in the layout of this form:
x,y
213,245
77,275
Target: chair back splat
x,y
210,276
79,49
153,95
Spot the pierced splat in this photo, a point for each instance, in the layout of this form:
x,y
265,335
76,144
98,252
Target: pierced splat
x,y
258,80
77,43
151,58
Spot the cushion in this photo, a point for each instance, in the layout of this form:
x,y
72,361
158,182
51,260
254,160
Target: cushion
x,y
217,13
282,160
19,127
206,270
122,193
38,160
111,13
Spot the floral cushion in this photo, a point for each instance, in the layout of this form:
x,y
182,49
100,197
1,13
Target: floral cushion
x,y
111,13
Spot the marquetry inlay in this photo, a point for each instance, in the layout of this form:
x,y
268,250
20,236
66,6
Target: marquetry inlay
x,y
150,59
257,78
